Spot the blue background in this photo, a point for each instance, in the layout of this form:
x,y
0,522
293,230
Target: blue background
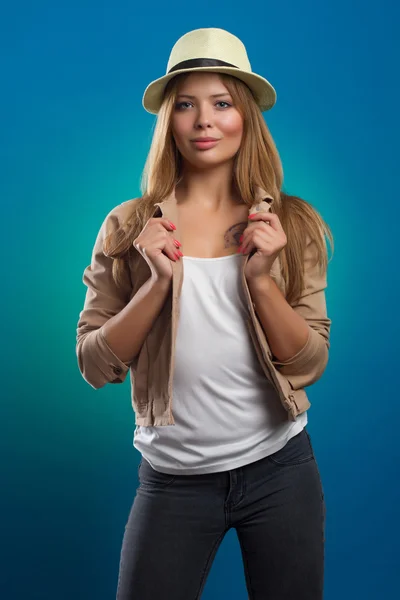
x,y
74,142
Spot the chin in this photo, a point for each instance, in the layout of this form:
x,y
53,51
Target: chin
x,y
206,159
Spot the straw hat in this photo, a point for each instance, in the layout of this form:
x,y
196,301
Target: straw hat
x,y
214,50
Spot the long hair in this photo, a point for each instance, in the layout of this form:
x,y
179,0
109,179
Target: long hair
x,y
256,164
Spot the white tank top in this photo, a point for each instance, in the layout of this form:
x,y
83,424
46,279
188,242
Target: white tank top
x,y
226,411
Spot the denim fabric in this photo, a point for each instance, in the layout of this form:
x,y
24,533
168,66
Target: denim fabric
x,y
177,523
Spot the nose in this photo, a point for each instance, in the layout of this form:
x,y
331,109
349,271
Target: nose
x,y
204,117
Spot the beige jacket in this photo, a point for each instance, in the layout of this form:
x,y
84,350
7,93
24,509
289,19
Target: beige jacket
x,y
151,371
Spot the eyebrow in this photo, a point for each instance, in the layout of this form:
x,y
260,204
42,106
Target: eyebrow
x,y
212,96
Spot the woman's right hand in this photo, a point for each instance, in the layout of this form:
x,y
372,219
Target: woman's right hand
x,y
158,247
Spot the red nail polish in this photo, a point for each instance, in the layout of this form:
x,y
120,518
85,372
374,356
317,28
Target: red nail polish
x,y
241,239
172,225
180,253
251,216
177,244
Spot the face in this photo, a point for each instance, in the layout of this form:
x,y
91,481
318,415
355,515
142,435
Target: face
x,y
204,109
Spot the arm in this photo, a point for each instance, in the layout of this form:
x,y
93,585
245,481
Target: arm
x,y
298,335
126,331
111,327
286,330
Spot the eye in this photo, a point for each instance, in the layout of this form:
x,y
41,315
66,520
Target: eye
x,y
227,104
181,105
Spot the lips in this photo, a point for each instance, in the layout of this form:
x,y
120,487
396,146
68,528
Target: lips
x,y
205,143
207,139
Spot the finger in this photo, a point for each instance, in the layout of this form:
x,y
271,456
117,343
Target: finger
x,y
258,229
264,245
247,241
272,218
247,236
263,228
176,243
248,247
171,250
166,223
168,251
162,243
175,246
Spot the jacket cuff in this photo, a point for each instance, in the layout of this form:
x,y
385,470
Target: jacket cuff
x,y
309,361
100,361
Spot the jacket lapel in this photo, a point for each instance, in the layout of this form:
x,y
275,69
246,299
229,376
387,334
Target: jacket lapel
x,y
263,202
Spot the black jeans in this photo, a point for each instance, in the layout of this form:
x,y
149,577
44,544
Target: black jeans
x,y
177,523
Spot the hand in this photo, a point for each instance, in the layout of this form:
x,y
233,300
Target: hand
x,y
158,247
265,235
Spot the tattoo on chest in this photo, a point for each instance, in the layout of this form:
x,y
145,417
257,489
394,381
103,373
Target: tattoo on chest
x,y
232,235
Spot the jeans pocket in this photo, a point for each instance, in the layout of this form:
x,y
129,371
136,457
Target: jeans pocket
x,y
297,450
152,479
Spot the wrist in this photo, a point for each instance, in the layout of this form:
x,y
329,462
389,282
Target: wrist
x,y
161,282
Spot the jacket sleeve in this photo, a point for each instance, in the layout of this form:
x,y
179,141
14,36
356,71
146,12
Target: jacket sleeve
x,y
104,299
307,366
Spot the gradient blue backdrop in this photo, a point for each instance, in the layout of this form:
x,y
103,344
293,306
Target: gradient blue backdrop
x,y
74,141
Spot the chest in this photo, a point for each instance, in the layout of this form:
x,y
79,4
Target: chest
x,y
211,236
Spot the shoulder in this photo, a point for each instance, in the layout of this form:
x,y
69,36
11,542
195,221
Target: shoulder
x,y
118,216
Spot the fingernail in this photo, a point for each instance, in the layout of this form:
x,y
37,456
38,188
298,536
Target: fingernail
x,y
177,244
239,249
241,239
180,253
177,255
172,225
251,216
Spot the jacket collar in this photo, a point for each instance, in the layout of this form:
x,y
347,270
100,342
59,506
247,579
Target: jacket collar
x,y
262,203
168,208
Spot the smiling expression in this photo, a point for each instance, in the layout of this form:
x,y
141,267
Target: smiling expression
x,y
206,125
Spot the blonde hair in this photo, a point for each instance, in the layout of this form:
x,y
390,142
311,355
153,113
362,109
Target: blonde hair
x,y
257,164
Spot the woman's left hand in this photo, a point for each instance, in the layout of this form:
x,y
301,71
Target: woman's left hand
x,y
264,234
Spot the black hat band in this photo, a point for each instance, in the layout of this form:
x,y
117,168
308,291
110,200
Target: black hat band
x,y
201,62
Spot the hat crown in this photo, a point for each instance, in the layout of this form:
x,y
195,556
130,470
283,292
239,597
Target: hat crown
x,y
211,43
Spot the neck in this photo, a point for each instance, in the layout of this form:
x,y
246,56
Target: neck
x,y
209,189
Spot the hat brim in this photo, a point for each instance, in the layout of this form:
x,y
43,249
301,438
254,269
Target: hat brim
x,y
263,91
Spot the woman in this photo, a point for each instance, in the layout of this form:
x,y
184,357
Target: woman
x,y
209,289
